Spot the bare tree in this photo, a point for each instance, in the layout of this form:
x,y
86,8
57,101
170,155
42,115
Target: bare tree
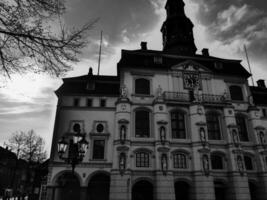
x,y
28,41
28,146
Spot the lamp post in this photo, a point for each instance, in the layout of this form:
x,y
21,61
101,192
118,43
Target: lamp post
x,y
77,148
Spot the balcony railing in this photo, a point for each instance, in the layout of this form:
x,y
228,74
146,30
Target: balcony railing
x,y
189,97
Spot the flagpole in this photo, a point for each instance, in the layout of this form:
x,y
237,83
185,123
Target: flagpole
x,y
249,65
100,51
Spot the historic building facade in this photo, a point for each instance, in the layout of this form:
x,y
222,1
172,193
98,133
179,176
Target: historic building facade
x,y
171,125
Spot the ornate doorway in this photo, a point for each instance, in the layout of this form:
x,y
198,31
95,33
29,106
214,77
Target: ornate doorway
x,y
98,187
182,190
68,187
142,190
220,191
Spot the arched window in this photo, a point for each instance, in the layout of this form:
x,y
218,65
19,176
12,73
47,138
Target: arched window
x,y
178,125
142,159
216,162
248,163
236,93
142,124
142,86
213,125
179,161
242,126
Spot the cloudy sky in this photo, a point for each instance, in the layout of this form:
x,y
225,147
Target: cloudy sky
x,y
29,102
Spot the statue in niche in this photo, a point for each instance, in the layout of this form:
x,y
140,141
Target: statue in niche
x,y
122,163
262,137
123,133
164,162
202,134
240,163
162,132
205,162
124,91
159,92
235,136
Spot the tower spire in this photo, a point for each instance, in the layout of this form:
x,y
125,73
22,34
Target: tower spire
x,y
177,30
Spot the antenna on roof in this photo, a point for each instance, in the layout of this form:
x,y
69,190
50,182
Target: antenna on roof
x,y
249,65
100,49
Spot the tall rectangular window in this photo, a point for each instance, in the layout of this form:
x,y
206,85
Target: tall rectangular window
x,y
142,124
264,112
178,125
213,125
89,102
99,149
76,102
179,161
242,126
142,159
103,102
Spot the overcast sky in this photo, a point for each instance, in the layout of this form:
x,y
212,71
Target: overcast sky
x,y
223,26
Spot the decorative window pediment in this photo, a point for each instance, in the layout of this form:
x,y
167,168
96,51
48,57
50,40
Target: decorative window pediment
x,y
76,126
100,128
190,66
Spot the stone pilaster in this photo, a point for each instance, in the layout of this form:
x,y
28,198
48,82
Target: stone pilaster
x,y
120,186
164,186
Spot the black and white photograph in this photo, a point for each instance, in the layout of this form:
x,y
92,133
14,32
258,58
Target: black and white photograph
x,y
133,100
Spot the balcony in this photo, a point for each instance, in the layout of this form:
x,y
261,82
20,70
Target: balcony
x,y
189,97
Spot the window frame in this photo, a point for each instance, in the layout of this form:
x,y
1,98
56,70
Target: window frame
x,y
102,105
245,127
251,165
219,129
145,160
231,93
87,102
149,123
93,149
222,157
179,112
149,85
180,163
76,102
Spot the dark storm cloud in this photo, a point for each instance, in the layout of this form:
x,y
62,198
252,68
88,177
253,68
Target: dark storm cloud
x,y
236,21
122,21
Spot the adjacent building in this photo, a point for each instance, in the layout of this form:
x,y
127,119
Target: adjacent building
x,y
171,125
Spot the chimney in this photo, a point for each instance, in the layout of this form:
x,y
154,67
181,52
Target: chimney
x,y
205,52
90,73
261,83
144,45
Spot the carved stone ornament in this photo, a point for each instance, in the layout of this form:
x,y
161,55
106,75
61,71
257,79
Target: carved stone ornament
x,y
206,164
123,91
122,148
159,92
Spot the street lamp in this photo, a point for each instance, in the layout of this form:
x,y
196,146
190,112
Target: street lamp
x,y
77,149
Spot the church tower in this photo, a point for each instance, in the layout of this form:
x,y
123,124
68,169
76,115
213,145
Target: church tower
x,y
177,30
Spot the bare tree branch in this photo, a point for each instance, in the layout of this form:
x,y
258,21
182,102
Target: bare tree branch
x,y
28,43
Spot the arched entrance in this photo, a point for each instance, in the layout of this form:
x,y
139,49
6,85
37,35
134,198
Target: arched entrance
x,y
252,190
182,190
98,187
220,190
68,187
142,190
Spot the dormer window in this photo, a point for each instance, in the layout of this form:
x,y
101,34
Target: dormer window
x,y
142,86
236,93
90,85
158,60
218,65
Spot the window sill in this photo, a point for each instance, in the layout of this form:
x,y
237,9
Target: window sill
x,y
143,95
98,160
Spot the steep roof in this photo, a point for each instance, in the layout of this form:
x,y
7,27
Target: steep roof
x,y
259,95
145,59
100,85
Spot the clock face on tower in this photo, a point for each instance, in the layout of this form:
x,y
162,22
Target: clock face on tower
x,y
191,81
